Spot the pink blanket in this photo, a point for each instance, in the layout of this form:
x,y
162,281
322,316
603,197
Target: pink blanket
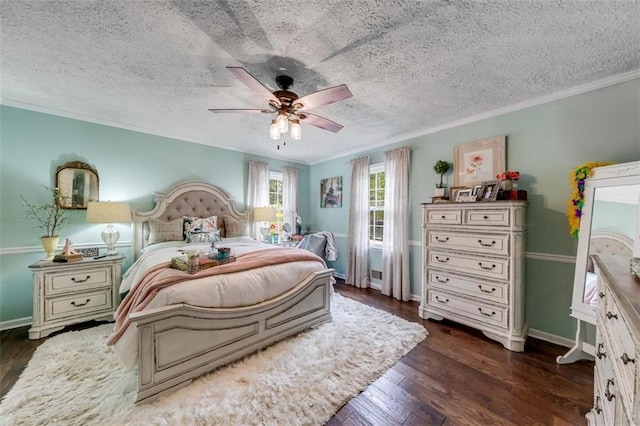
x,y
162,275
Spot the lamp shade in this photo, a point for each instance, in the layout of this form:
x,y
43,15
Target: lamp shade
x,y
108,212
264,214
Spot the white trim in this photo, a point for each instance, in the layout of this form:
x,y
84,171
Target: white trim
x,y
551,338
38,249
20,322
550,257
578,90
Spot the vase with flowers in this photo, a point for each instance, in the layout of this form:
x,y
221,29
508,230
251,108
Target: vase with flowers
x,y
50,218
509,180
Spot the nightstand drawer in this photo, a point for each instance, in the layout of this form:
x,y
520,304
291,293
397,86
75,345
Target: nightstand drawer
x,y
443,216
488,217
78,279
75,305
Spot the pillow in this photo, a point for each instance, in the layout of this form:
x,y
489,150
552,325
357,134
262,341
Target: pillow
x,y
200,224
235,228
161,231
204,237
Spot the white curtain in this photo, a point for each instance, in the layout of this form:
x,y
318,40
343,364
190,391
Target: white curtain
x,y
395,232
358,225
290,196
257,191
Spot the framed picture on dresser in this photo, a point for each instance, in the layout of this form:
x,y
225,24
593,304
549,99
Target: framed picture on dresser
x,y
479,161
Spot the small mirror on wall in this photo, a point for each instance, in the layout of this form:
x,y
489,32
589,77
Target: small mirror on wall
x,y
78,184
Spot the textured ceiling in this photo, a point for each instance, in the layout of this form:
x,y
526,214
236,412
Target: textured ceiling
x,y
157,66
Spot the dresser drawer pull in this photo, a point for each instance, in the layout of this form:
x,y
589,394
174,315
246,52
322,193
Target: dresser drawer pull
x,y
444,240
601,295
610,315
596,407
77,305
446,259
485,217
444,217
491,244
493,289
607,393
80,281
442,301
487,268
600,354
486,314
446,280
626,360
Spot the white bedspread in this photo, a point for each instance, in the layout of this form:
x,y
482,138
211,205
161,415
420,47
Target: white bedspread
x,y
230,290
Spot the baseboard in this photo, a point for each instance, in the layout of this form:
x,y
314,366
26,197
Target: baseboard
x,y
551,338
20,322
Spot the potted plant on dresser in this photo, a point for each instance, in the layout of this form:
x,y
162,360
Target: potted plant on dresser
x,y
50,218
441,167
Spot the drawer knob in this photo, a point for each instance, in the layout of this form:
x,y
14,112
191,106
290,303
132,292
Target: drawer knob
x,y
80,281
493,289
610,315
444,217
487,268
446,280
442,301
77,305
443,240
626,360
607,392
485,217
491,244
600,353
443,260
487,314
601,295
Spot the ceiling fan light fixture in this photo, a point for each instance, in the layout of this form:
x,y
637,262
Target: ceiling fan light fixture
x,y
274,130
296,129
283,122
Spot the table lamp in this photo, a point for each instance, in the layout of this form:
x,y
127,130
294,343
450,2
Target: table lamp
x,y
265,215
109,213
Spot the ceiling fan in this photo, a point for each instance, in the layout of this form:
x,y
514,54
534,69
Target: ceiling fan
x,y
290,108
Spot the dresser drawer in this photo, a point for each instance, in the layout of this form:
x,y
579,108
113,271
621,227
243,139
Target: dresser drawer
x,y
484,243
78,279
495,292
489,314
443,216
488,217
77,304
488,267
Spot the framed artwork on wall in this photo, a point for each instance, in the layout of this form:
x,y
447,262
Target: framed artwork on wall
x,y
331,192
78,184
479,161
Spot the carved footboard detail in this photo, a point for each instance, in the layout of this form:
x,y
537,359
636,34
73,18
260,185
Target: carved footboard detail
x,y
178,343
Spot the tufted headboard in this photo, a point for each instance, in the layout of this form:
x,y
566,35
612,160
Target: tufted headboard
x,y
198,199
602,242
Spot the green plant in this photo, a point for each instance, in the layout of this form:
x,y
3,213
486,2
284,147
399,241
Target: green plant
x,y
50,217
441,167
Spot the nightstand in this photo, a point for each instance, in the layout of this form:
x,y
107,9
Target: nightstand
x,y
71,292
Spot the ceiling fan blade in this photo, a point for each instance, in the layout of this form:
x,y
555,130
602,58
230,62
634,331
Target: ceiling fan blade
x,y
252,83
217,110
324,97
321,122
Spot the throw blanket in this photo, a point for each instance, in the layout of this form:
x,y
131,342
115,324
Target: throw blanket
x,y
162,275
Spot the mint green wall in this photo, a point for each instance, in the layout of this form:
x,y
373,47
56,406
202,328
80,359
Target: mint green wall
x,y
615,217
544,143
130,165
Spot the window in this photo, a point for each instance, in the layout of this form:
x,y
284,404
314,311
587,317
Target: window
x,y
376,201
275,196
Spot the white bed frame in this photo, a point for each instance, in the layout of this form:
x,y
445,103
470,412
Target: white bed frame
x,y
178,343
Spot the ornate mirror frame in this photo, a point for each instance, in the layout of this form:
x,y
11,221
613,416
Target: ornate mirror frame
x,y
78,184
602,177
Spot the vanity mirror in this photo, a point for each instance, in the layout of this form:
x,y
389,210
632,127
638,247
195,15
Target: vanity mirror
x,y
608,226
78,184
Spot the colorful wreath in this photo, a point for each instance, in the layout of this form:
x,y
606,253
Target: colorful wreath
x,y
577,179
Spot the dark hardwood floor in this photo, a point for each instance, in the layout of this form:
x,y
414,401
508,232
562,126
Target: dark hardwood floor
x,y
456,376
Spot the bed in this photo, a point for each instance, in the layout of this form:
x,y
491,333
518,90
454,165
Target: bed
x,y
603,242
174,343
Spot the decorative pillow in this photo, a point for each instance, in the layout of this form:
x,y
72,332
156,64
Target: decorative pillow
x,y
204,237
200,224
236,228
161,231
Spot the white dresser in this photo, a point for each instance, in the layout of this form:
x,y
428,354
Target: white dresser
x,y
616,378
73,292
473,267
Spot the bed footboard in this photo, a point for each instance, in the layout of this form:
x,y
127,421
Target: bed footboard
x,y
178,343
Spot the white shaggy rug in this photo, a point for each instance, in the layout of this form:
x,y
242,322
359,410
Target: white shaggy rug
x,y
74,379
